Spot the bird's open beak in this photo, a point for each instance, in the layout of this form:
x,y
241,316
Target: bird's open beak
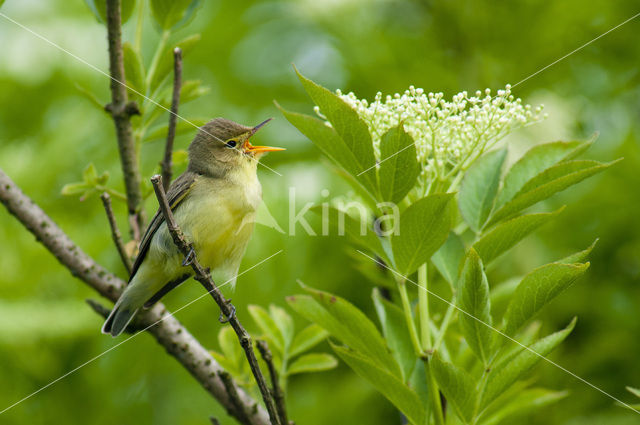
x,y
249,148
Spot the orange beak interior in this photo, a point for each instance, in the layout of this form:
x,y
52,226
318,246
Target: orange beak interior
x,y
248,147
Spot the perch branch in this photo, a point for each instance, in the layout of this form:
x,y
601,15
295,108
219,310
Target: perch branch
x,y
202,275
121,111
165,328
233,394
115,232
278,394
173,118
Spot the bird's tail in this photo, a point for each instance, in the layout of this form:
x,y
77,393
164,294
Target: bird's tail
x,y
120,316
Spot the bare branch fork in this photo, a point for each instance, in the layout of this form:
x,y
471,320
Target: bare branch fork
x,y
173,118
166,329
121,111
202,275
115,232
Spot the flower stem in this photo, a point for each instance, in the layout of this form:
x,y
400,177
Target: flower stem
x,y
423,304
406,306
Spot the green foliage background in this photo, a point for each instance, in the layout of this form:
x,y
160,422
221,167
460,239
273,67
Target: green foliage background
x,y
49,132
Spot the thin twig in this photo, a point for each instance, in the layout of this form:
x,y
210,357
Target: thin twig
x,y
202,275
278,394
121,111
232,391
168,331
166,163
115,232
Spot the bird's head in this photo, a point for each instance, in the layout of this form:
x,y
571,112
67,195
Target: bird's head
x,y
221,145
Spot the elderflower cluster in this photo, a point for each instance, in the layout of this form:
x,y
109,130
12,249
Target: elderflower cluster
x,y
448,135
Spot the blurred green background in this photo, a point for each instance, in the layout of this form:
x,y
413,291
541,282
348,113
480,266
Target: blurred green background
x,y
49,132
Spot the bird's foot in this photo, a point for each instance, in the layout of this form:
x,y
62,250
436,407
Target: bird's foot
x,y
225,319
189,258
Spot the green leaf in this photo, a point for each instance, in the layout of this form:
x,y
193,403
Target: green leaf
x,y
634,391
457,386
179,157
347,323
90,175
351,129
182,127
398,165
134,70
307,338
191,90
231,350
99,9
424,227
521,402
71,189
533,162
473,299
507,234
405,399
479,188
537,289
313,362
396,333
284,322
499,379
547,183
447,259
165,63
580,256
267,325
169,13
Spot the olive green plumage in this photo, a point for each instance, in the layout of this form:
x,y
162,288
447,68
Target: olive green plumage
x,y
214,203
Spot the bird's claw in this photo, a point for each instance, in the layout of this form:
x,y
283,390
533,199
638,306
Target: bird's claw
x,y
189,258
226,319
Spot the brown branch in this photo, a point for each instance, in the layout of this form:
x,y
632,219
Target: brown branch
x,y
167,331
166,164
278,394
121,111
202,275
232,390
115,232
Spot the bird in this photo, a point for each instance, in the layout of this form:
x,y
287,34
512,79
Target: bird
x,y
214,203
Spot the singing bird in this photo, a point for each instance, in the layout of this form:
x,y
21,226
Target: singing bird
x,y
214,202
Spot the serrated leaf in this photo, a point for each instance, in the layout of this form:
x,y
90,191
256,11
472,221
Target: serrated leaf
x,y
479,188
533,162
134,70
267,325
473,300
398,165
499,379
350,128
457,386
508,233
284,322
71,189
396,333
580,256
346,323
537,289
424,227
447,259
170,13
547,183
524,401
342,223
307,338
165,63
313,362
99,9
405,399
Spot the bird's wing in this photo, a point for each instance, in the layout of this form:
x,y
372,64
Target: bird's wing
x,y
177,192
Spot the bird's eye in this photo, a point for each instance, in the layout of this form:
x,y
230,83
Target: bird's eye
x,y
231,144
